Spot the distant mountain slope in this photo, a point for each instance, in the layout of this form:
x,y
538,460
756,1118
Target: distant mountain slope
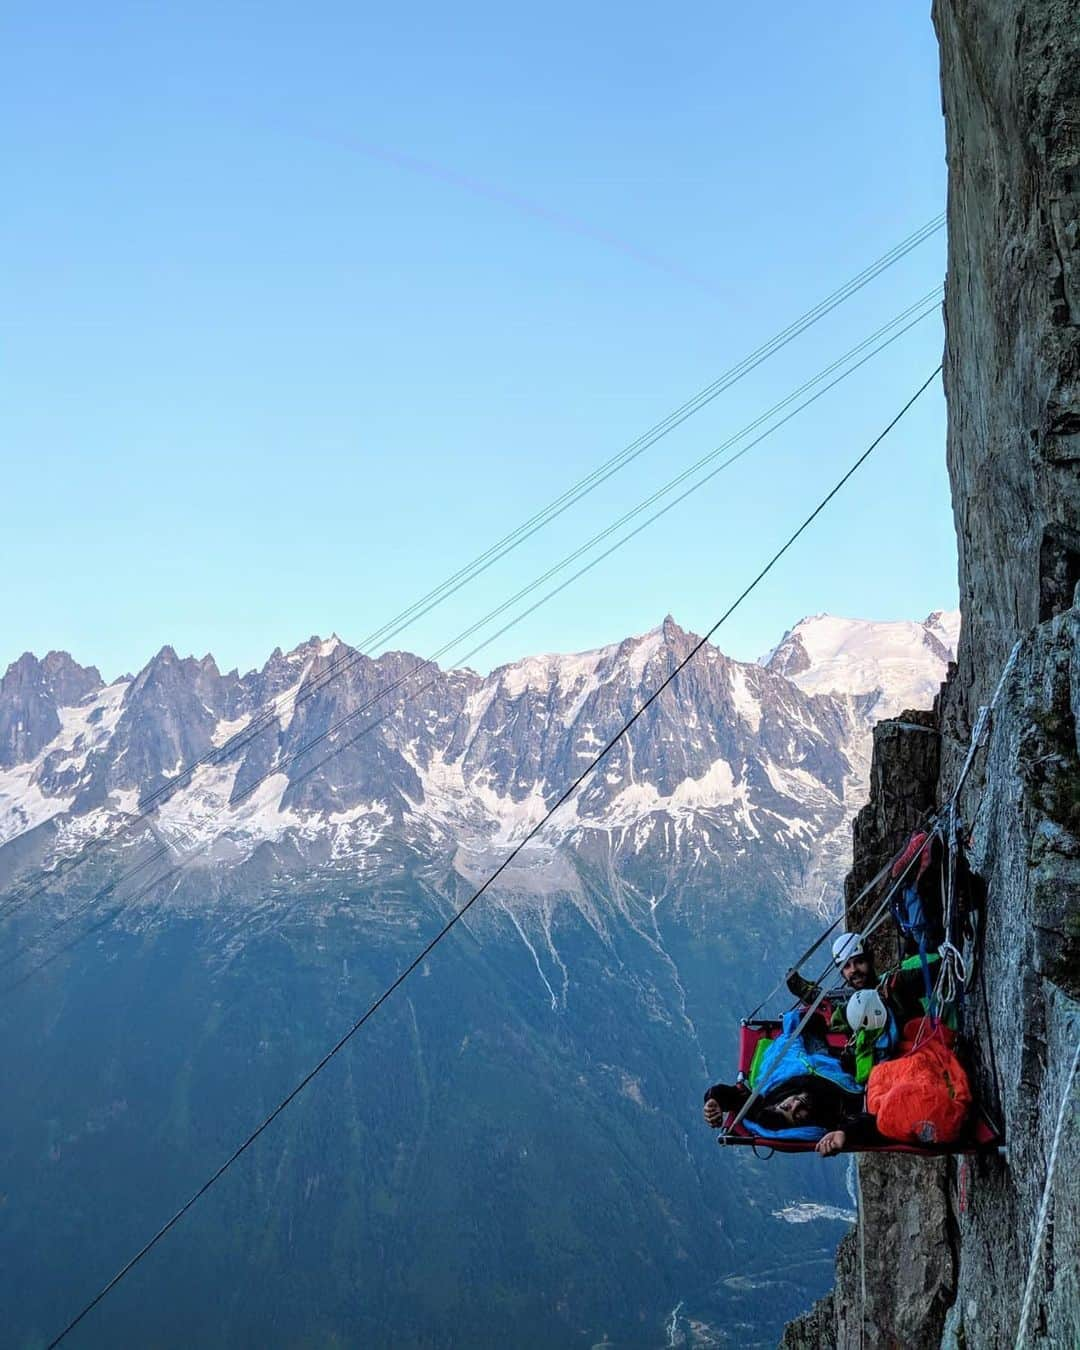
x,y
513,1151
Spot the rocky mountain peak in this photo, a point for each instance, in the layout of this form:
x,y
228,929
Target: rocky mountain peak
x,y
167,659
32,692
57,673
314,648
790,657
734,753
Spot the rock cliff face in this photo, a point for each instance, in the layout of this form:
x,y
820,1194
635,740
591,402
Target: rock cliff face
x,y
943,1250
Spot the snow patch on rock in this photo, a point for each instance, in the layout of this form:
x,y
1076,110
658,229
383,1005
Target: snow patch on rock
x,y
808,1212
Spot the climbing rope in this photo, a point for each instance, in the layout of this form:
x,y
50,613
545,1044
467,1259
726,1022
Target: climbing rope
x,y
455,918
1044,1207
951,981
982,720
861,1229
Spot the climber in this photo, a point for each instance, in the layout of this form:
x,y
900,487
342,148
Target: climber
x,y
855,964
902,988
874,1033
800,1089
874,1017
921,1098
802,1085
804,1100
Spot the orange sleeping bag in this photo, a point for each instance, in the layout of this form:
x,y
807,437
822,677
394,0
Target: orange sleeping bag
x,y
924,1096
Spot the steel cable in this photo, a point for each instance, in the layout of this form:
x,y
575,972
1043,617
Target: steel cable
x,y
429,663
262,720
460,913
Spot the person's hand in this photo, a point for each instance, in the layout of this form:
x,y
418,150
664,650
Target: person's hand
x,y
803,990
831,1143
714,1114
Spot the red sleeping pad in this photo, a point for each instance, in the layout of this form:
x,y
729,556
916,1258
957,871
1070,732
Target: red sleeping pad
x,y
981,1136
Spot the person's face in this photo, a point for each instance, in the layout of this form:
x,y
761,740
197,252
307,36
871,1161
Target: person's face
x,y
795,1109
858,972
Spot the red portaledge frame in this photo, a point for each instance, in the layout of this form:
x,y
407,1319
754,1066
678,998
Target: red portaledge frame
x,y
985,1139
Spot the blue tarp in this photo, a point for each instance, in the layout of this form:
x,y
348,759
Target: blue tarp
x,y
788,1057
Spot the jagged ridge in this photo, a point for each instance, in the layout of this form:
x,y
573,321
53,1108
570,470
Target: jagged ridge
x,y
735,754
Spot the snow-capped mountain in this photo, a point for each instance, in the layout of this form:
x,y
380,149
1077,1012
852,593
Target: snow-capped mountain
x,y
536,1085
901,664
324,753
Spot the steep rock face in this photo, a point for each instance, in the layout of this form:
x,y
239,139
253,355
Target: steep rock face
x,y
1010,76
966,1228
957,1276
1011,82
1025,843
895,1277
32,693
170,712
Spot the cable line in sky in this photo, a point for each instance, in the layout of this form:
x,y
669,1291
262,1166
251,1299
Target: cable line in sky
x,y
894,329
268,716
460,913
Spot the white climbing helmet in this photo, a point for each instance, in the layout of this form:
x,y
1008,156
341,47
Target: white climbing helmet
x,y
845,947
865,1011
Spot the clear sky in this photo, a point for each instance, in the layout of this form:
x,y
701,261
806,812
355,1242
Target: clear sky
x,y
308,304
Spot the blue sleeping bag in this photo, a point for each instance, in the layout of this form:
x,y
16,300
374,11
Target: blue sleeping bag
x,y
788,1057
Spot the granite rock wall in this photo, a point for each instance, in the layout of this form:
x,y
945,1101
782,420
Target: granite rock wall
x,y
943,1250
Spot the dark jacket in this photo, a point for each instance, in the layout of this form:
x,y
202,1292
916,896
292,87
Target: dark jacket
x,y
831,1107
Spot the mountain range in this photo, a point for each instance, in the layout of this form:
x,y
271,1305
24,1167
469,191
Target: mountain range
x,y
514,1153
344,749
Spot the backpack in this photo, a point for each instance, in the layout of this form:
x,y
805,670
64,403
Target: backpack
x,y
924,1096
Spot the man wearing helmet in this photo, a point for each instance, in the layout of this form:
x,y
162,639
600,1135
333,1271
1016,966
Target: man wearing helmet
x,y
875,1015
873,1018
852,960
902,989
855,964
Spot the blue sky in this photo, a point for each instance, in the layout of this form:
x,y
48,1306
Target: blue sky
x,y
307,305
